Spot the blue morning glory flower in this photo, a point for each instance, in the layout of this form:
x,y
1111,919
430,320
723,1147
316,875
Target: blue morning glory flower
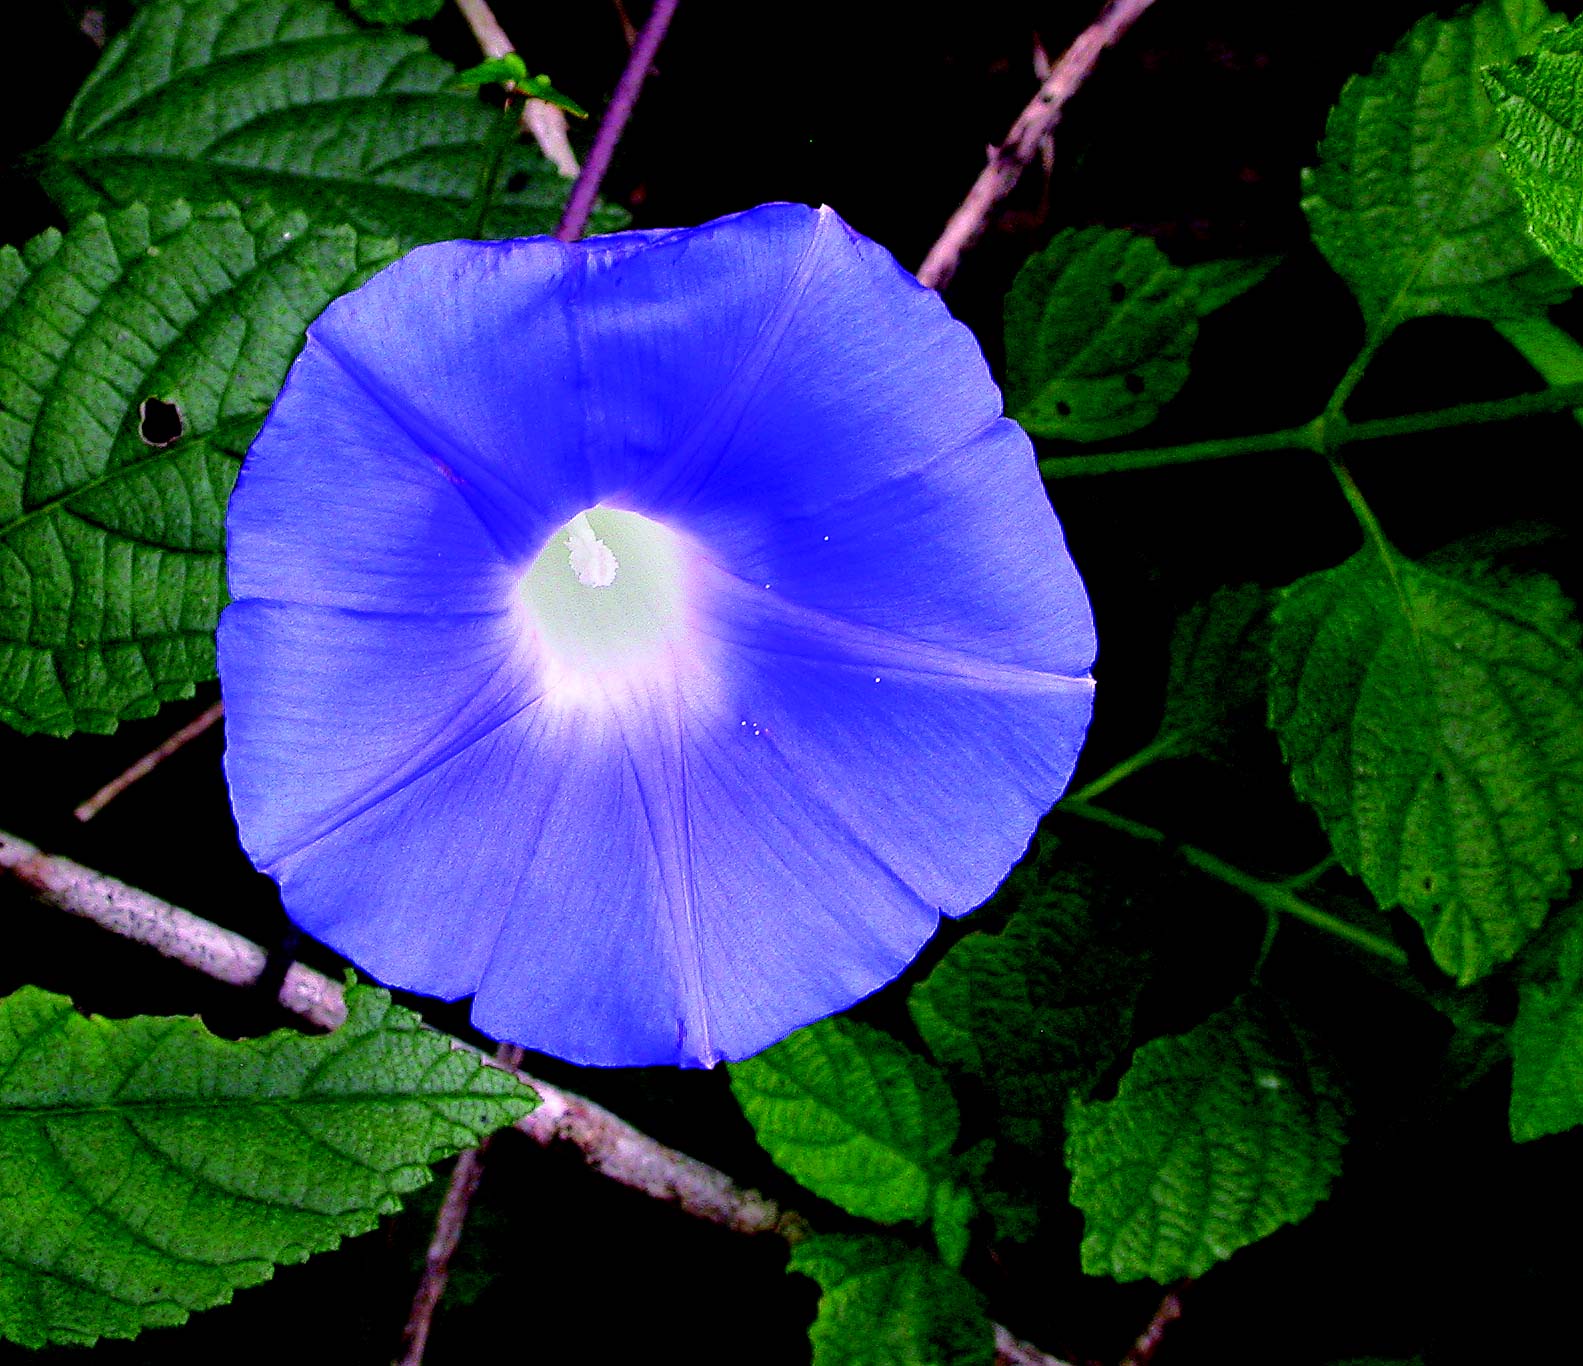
x,y
651,635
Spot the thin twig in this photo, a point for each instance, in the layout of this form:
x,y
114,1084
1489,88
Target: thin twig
x,y
1008,161
581,202
544,122
1148,1342
148,763
1010,1351
608,1144
447,1237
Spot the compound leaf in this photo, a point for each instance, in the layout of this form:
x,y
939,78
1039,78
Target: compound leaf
x,y
292,103
1215,1139
1539,103
137,359
855,1116
149,1169
1409,201
1099,326
1435,723
883,1303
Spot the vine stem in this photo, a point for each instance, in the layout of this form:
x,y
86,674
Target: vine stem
x,y
611,1146
544,121
581,203
1008,161
1325,433
1161,747
1149,1340
1274,896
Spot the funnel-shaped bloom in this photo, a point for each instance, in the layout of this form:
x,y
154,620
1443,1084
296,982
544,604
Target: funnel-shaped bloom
x,y
651,635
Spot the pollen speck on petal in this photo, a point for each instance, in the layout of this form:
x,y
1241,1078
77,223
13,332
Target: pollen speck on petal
x,y
563,579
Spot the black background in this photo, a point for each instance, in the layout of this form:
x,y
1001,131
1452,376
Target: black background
x,y
1193,130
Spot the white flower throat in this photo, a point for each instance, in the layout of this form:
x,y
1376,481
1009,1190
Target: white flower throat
x,y
605,594
592,560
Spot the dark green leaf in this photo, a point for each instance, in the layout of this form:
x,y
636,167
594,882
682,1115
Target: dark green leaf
x,y
1219,662
1099,326
1410,202
854,1116
1036,1011
885,1304
1436,725
396,11
148,1169
1219,282
291,102
1539,103
1215,1139
127,330
1547,1037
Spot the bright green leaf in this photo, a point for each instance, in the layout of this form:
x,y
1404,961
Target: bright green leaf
x,y
853,1115
1035,1011
1219,661
504,70
1099,326
886,1304
539,88
1547,1037
1435,723
396,11
1410,202
291,102
148,1169
111,548
1539,103
1215,1139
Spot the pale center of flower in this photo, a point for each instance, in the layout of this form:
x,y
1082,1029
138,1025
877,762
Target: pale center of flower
x,y
605,594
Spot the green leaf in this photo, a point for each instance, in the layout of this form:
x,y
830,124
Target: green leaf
x,y
291,102
1435,723
396,11
1547,1037
1556,354
854,1116
1219,282
1215,1139
886,1304
1219,662
1099,326
111,548
1409,201
1036,1011
1539,105
504,70
148,1169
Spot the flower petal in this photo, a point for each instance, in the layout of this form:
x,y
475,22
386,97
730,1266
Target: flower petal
x,y
872,686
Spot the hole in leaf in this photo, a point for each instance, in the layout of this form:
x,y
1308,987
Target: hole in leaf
x,y
516,182
1134,383
159,423
1118,292
1064,408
